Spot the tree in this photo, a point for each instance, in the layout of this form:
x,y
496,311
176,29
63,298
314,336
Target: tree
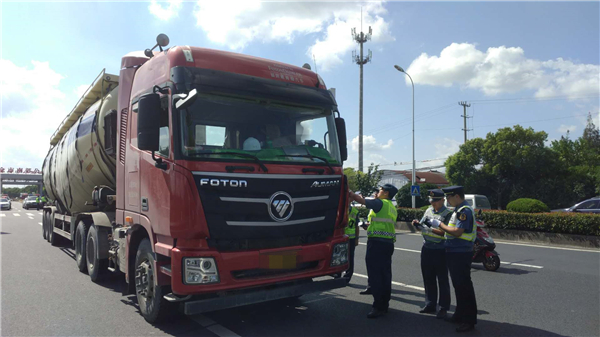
x,y
591,133
351,175
367,183
404,199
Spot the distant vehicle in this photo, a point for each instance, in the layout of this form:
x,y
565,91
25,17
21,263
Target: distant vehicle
x,y
23,195
477,201
587,206
30,202
5,204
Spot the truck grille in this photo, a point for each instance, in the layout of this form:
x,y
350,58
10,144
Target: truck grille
x,y
261,273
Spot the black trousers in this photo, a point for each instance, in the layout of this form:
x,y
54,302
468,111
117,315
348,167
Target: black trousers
x,y
379,270
435,272
459,265
351,249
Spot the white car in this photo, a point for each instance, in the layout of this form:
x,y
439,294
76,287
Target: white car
x,y
5,204
477,201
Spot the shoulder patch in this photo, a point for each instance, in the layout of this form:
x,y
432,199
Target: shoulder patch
x,y
462,216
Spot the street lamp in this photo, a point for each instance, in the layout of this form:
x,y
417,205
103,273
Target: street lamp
x,y
413,131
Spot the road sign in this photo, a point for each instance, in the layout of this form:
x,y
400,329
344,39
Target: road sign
x,y
415,190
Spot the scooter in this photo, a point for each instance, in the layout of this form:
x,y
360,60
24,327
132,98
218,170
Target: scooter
x,y
483,250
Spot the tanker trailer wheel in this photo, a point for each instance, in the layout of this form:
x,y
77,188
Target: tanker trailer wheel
x,y
53,238
44,224
153,306
80,245
96,267
47,226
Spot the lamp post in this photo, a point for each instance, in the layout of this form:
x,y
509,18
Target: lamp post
x,y
413,131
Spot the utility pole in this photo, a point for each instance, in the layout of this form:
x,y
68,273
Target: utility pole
x,y
360,60
465,106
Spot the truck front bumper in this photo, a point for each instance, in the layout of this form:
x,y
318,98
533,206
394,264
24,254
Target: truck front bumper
x,y
259,295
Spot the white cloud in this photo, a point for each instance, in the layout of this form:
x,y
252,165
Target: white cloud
x,y
166,12
370,144
504,70
564,128
235,24
32,108
80,90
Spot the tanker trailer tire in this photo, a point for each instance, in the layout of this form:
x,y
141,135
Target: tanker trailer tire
x,y
44,225
96,267
80,245
47,226
53,238
150,299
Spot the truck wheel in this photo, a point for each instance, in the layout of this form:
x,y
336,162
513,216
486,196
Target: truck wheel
x,y
96,267
53,238
80,246
44,225
48,226
153,306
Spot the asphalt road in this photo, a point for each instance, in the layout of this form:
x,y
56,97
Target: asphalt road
x,y
538,291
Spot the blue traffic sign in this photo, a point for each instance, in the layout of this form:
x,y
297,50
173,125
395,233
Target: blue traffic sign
x,y
415,190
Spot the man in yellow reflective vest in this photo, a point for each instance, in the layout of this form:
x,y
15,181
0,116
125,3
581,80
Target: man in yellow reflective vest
x,y
433,256
380,246
460,233
352,232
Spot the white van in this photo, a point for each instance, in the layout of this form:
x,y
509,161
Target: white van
x,y
477,201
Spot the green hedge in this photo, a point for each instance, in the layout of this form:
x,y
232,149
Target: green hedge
x,y
560,222
526,205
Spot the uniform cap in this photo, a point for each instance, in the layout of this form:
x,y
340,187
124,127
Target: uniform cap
x,y
436,194
391,189
452,190
251,144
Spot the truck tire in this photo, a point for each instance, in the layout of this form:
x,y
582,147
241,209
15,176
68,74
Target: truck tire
x,y
53,238
80,245
153,306
48,224
96,267
44,225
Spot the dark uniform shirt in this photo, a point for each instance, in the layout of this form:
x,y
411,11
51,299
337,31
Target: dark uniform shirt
x,y
459,245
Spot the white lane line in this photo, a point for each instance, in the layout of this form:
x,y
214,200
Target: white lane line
x,y
29,214
212,326
395,283
510,263
319,299
16,214
522,265
404,249
40,213
550,247
2,215
40,223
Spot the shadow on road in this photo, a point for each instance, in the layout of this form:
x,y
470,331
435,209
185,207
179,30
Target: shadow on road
x,y
504,269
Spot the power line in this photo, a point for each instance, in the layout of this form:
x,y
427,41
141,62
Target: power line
x,y
535,121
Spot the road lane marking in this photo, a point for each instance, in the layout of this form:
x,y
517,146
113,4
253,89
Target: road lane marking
x,y
212,326
404,249
17,214
522,265
29,214
395,283
509,263
40,223
2,215
550,247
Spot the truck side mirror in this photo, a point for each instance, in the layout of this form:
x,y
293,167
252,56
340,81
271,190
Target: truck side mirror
x,y
340,126
148,128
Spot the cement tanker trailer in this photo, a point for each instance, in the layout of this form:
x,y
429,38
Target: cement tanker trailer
x,y
208,179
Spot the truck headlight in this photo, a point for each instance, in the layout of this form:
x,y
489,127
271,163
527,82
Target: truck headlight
x,y
340,254
200,270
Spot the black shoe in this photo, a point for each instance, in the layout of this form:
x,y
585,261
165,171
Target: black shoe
x,y
452,319
465,327
367,291
376,313
441,314
427,310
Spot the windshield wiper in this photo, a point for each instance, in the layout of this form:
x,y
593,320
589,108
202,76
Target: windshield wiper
x,y
262,166
309,156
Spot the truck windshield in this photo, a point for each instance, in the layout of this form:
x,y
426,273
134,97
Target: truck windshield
x,y
271,131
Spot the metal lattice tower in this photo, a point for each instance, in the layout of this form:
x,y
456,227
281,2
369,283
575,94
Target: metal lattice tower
x,y
361,60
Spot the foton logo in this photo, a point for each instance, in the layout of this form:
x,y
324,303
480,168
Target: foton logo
x,y
223,182
329,183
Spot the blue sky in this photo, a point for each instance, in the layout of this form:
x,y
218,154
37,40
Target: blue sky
x,y
534,64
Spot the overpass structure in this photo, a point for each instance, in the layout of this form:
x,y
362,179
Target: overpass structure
x,y
26,179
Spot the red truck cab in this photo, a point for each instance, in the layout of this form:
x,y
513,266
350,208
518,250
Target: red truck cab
x,y
230,166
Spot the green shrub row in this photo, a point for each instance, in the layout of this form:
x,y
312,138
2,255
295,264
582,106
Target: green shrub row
x,y
527,205
561,222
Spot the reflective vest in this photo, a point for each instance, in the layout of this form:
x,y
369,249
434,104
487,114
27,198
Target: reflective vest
x,y
468,236
441,216
382,222
351,227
